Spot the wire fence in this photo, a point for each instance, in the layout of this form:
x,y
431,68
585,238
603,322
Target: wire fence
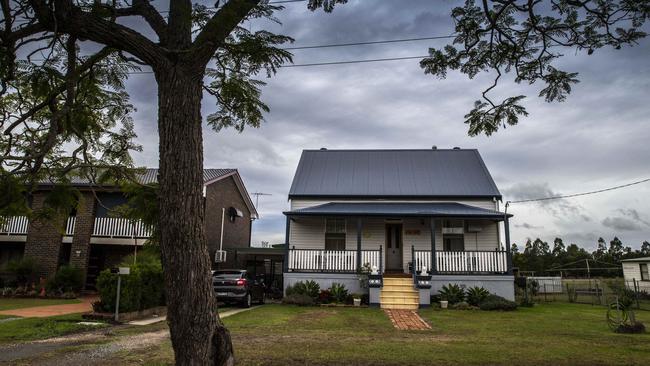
x,y
595,291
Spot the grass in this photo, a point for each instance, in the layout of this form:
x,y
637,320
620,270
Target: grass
x,y
17,303
549,334
28,329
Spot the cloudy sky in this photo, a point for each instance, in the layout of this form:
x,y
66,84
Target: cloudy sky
x,y
599,138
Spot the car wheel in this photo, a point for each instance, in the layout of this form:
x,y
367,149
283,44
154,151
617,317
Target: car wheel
x,y
247,301
263,298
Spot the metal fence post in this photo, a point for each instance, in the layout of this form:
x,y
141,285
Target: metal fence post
x,y
117,300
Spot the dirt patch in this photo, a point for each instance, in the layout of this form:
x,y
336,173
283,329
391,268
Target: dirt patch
x,y
315,315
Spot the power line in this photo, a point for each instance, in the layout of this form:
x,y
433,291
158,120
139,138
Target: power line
x,y
321,63
581,194
367,43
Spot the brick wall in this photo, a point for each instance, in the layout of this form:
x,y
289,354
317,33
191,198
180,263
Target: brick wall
x,y
224,194
44,238
83,229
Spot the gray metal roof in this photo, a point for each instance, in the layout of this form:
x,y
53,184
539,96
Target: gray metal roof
x,y
428,209
392,173
150,175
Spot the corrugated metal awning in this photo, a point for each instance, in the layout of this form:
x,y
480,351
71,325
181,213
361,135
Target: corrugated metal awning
x,y
410,209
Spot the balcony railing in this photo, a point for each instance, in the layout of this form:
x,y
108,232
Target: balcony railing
x,y
114,227
314,260
470,262
14,225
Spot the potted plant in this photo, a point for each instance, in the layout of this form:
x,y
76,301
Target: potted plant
x,y
357,300
444,303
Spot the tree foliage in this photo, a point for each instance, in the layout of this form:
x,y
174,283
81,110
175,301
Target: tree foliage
x,y
526,39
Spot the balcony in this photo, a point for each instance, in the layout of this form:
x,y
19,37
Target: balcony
x,y
115,227
14,225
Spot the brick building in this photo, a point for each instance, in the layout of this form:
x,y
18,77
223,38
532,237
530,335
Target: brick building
x,y
93,239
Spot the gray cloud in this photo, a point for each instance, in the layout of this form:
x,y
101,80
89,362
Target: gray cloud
x,y
621,224
526,225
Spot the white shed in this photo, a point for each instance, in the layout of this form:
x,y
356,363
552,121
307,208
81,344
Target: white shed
x,y
637,270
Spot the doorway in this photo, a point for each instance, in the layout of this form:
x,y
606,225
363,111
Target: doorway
x,y
394,247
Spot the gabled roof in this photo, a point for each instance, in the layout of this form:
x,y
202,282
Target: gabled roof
x,y
392,173
412,209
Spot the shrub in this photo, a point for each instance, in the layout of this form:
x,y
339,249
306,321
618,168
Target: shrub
x,y
463,306
309,288
66,279
339,293
143,288
24,270
494,302
298,299
452,293
476,294
325,297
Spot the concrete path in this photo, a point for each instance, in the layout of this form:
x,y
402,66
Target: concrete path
x,y
53,310
157,319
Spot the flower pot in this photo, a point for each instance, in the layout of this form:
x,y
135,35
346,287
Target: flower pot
x,y
444,304
357,302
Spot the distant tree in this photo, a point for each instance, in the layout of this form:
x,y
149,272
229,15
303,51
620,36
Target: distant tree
x,y
645,248
601,250
616,249
558,247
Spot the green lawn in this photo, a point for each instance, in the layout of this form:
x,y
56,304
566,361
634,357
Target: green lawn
x,y
549,334
10,304
29,329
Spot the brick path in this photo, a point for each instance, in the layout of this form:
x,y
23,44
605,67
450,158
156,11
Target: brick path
x,y
406,320
54,310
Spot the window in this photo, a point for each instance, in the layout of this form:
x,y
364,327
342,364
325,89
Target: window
x,y
453,243
334,234
645,276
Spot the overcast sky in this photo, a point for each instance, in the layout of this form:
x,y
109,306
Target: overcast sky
x,y
598,138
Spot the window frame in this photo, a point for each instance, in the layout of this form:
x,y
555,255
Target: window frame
x,y
647,271
339,233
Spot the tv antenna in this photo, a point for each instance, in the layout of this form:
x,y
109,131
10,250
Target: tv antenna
x,y
257,197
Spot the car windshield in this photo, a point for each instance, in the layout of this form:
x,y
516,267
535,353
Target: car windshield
x,y
231,275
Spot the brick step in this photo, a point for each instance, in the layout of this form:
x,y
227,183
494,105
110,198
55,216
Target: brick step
x,y
398,281
405,288
393,295
399,306
399,301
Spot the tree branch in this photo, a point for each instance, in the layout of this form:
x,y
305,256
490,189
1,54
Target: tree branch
x,y
70,19
214,33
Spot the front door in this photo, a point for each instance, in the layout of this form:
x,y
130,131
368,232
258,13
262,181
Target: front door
x,y
394,247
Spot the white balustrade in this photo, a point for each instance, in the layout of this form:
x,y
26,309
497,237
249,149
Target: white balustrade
x,y
313,260
463,262
14,225
115,227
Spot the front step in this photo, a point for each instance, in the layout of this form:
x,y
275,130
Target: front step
x,y
398,293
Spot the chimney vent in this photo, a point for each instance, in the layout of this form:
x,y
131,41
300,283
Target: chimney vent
x,y
456,148
434,147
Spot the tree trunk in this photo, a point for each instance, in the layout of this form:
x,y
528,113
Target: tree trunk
x,y
197,334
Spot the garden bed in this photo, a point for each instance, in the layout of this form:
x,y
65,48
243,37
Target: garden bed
x,y
128,316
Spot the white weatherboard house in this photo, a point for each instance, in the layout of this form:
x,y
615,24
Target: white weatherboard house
x,y
637,273
349,208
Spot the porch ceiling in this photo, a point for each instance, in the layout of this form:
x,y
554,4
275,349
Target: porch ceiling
x,y
414,209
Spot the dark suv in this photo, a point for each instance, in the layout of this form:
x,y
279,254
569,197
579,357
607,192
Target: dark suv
x,y
237,285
